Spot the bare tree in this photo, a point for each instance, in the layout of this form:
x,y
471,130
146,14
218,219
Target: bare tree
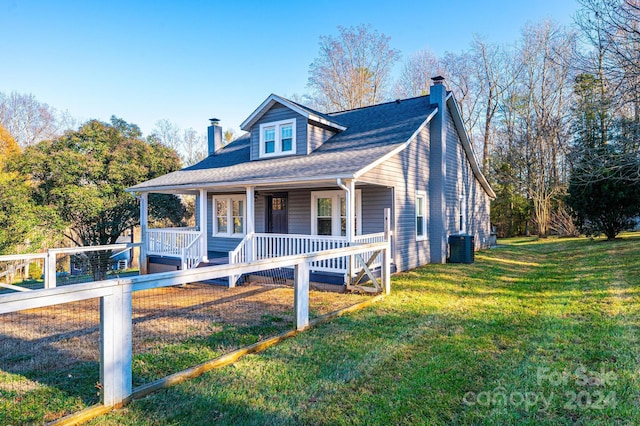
x,y
415,77
189,144
352,70
543,109
610,30
28,120
497,70
462,78
168,134
193,147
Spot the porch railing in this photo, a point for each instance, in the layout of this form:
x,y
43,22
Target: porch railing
x,y
260,246
239,255
266,246
170,241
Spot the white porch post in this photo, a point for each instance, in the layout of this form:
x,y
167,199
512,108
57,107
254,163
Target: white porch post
x,y
350,201
144,223
250,220
203,224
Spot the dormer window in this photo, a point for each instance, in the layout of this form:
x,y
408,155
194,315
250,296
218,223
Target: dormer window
x,y
278,138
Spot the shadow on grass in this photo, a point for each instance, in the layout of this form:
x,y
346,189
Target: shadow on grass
x,y
446,332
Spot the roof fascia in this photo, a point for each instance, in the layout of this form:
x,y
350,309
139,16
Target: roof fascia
x,y
253,182
273,98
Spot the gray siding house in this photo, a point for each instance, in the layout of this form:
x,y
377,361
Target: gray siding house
x,y
301,178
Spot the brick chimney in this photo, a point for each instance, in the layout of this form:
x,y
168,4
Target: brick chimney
x,y
438,171
214,136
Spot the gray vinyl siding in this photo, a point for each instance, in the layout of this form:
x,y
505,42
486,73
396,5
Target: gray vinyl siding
x,y
260,207
407,172
300,212
374,200
278,113
221,244
461,180
317,136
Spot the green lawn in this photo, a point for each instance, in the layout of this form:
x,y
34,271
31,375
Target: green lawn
x,y
535,332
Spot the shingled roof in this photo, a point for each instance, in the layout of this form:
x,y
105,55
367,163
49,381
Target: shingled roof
x,y
371,134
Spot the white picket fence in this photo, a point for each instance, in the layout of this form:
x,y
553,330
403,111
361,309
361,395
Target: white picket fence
x,y
116,303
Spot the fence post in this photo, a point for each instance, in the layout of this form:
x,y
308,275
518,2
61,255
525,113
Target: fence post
x,y
115,345
386,253
144,236
301,296
50,270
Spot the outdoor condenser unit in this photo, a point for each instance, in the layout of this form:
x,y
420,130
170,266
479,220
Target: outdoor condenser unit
x,y
461,248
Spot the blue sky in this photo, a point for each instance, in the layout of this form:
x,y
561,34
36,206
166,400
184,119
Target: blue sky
x,y
188,61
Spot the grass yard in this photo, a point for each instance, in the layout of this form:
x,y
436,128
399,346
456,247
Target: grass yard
x,y
535,332
49,357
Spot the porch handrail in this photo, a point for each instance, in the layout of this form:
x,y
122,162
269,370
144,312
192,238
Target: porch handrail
x,y
192,254
175,229
239,255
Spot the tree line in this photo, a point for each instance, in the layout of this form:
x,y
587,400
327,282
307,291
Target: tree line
x,y
554,116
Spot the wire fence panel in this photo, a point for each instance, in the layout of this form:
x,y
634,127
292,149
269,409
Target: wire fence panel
x,y
49,362
21,273
178,327
50,357
84,267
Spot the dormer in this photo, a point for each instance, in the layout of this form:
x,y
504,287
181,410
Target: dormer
x,y
280,127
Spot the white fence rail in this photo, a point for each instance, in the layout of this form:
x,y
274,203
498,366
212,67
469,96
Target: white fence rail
x,y
371,238
116,304
49,260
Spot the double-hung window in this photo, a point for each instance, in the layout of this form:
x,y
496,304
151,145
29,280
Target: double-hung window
x,y
230,212
329,213
421,215
278,138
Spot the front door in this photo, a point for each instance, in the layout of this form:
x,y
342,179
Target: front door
x,y
277,214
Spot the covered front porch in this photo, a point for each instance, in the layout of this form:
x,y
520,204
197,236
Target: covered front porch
x,y
241,224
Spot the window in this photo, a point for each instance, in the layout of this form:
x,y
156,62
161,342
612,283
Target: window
x,y
278,138
329,213
229,215
269,140
421,219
